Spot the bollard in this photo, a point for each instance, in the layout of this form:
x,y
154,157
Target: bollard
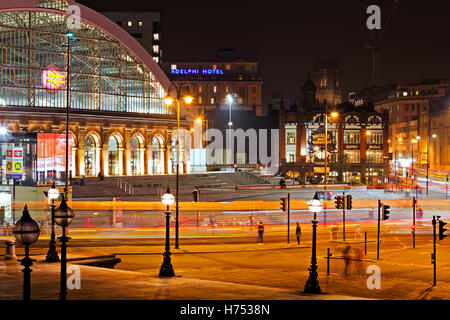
x,y
10,250
328,261
365,243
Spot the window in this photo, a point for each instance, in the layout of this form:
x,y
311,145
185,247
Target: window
x,y
156,59
174,66
155,48
406,119
130,23
200,89
119,23
214,66
227,67
199,100
240,101
351,156
213,100
291,137
215,89
413,107
405,93
140,23
156,36
290,156
406,107
253,100
253,89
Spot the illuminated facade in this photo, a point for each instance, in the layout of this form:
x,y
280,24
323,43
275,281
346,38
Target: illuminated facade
x,y
356,142
119,122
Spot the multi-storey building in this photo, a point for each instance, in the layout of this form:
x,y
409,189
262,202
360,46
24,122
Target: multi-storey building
x,y
145,27
417,113
356,142
211,81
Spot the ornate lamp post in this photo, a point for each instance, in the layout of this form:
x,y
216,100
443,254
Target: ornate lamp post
x,y
312,284
63,217
166,267
26,232
169,101
52,254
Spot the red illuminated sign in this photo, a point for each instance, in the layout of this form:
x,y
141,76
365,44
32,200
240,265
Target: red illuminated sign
x,y
53,79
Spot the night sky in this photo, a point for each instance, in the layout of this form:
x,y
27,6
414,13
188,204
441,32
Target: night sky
x,y
287,36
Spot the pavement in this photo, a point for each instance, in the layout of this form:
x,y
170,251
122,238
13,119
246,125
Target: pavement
x,y
108,284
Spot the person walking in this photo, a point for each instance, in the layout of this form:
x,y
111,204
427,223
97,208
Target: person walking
x,y
298,233
260,233
347,253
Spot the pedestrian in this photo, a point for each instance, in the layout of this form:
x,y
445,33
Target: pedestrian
x,y
347,253
260,233
298,233
359,262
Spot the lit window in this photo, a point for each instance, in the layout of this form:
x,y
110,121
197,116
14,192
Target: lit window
x,y
156,59
226,89
156,36
200,89
405,93
199,100
155,48
213,100
228,67
140,23
173,67
240,101
214,66
130,23
215,89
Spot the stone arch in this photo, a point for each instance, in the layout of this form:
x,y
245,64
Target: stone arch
x,y
158,147
137,154
90,157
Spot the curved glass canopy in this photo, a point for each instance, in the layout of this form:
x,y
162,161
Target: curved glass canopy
x,y
105,75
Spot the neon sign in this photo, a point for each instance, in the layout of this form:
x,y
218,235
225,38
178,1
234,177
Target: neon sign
x,y
52,78
197,71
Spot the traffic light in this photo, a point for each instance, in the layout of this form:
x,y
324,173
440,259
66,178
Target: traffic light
x,y
339,202
283,204
442,229
349,202
195,196
386,212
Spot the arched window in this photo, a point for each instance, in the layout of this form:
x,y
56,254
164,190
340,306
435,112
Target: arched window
x,y
156,156
89,156
113,156
135,163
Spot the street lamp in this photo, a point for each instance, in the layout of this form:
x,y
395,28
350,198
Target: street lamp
x,y
412,163
399,140
26,232
63,217
169,101
312,284
334,114
166,268
70,38
230,98
52,254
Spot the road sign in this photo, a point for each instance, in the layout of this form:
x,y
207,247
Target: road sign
x,y
17,163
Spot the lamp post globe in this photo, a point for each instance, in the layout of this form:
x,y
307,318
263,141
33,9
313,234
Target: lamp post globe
x,y
26,232
312,284
52,254
63,217
166,268
64,214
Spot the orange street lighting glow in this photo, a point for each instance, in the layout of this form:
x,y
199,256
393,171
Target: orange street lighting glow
x,y
199,120
188,99
368,133
334,114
